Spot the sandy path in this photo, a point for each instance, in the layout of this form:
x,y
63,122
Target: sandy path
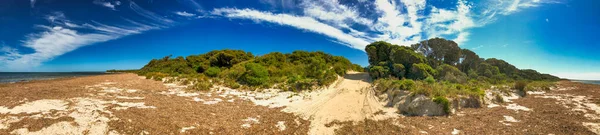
x,y
349,100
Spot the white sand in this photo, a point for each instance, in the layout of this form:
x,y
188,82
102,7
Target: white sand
x,y
594,127
280,125
508,119
455,131
126,105
38,106
517,107
536,92
183,129
125,97
350,99
249,121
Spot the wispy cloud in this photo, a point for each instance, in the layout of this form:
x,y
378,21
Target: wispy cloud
x,y
107,4
63,35
183,13
305,23
402,22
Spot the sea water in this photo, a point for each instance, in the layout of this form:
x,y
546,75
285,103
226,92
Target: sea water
x,y
588,81
10,77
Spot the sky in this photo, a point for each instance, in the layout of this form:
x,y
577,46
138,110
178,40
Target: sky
x,y
558,37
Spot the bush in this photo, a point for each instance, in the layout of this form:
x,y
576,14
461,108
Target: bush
x,y
201,86
444,102
520,85
212,71
429,80
255,75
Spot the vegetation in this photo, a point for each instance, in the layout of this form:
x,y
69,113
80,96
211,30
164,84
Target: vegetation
x,y
299,70
439,68
444,102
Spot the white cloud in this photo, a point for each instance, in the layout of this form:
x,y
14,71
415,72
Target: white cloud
x,y
149,15
107,4
186,14
333,12
305,23
63,35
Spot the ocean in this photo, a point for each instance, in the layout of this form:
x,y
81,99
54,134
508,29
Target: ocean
x,y
588,81
10,77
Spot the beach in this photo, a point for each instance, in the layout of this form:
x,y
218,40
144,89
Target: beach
x,y
131,104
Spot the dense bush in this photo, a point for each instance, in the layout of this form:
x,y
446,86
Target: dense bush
x,y
212,71
255,75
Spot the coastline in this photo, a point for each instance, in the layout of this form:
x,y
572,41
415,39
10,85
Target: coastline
x,y
16,77
130,104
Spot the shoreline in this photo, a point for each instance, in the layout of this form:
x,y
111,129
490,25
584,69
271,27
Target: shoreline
x,y
125,103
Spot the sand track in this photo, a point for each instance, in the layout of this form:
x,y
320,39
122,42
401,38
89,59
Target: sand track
x,y
351,99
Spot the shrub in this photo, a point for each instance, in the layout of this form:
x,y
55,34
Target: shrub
x,y
201,86
444,102
255,75
429,80
520,85
212,71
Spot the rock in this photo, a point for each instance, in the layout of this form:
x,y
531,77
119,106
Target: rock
x,y
420,105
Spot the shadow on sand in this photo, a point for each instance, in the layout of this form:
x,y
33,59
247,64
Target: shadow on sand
x,y
358,76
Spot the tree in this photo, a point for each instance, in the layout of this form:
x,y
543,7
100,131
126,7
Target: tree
x,y
378,72
378,52
451,74
405,56
469,60
439,50
398,70
487,70
421,71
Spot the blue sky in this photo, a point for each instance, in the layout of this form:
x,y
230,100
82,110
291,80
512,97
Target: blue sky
x,y
551,36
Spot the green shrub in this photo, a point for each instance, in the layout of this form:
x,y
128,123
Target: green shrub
x,y
212,71
429,80
201,86
444,102
255,75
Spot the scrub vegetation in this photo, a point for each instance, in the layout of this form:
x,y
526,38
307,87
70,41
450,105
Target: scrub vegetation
x,y
439,68
299,70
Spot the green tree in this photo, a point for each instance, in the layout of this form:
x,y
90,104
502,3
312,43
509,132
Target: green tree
x,y
379,72
398,70
421,71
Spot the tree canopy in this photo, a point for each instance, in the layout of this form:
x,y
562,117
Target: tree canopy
x,y
444,60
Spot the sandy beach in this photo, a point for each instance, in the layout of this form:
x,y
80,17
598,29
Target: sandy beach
x,y
130,104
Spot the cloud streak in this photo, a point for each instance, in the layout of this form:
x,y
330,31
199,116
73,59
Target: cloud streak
x,y
62,35
401,22
305,23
